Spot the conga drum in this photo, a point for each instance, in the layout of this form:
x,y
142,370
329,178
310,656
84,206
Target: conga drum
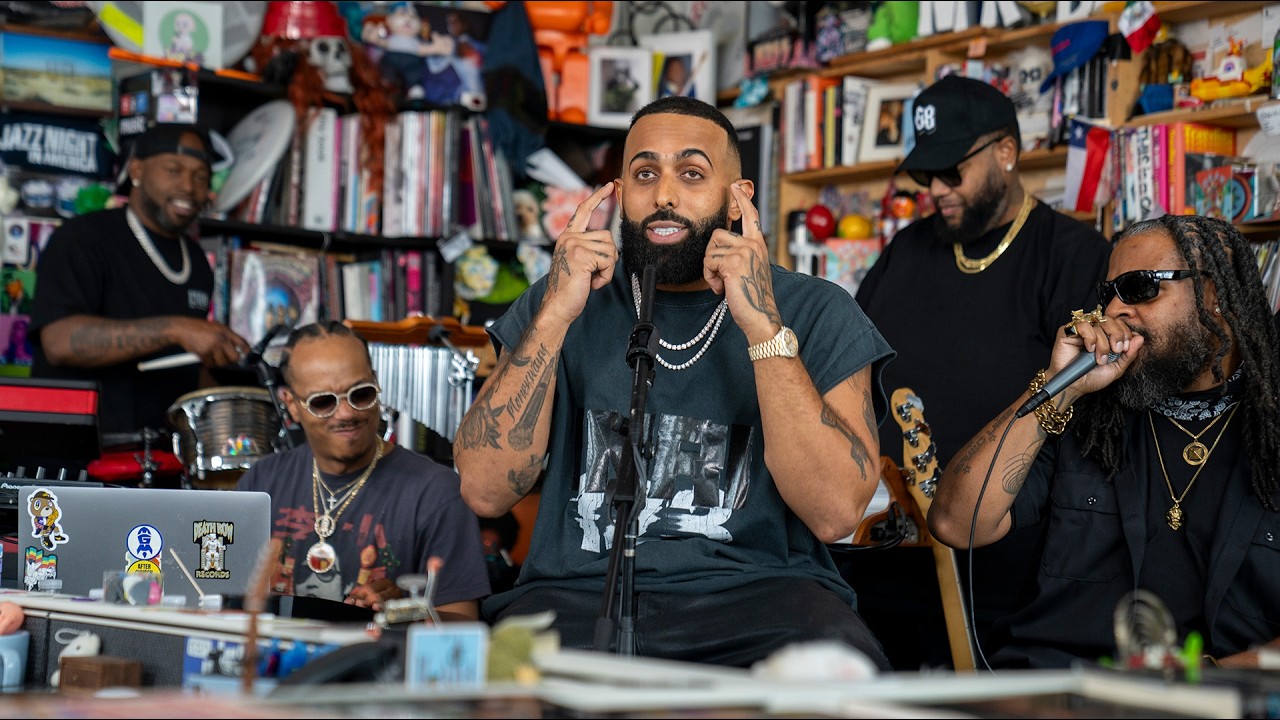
x,y
221,432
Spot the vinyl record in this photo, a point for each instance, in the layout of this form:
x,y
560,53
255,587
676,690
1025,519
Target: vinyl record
x,y
258,142
241,25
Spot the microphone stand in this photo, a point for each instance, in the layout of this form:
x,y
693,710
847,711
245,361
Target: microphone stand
x,y
269,379
629,489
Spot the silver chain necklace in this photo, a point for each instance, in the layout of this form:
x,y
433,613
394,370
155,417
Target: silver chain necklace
x,y
144,239
709,331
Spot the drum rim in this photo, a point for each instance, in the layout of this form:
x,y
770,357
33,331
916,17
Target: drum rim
x,y
222,392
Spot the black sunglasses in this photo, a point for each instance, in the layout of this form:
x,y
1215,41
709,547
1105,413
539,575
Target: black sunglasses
x,y
324,404
950,176
1138,286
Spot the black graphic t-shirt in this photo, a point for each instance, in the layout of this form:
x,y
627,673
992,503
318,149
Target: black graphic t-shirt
x,y
713,519
408,511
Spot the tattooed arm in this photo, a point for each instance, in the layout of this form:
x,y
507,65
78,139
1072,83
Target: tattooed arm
x,y
952,512
502,440
89,341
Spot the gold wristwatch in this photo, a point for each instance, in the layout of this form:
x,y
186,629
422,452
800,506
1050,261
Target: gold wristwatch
x,y
784,344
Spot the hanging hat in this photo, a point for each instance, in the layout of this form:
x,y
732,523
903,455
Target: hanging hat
x,y
298,20
1073,45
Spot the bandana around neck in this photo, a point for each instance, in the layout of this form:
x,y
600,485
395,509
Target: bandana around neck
x,y
1202,405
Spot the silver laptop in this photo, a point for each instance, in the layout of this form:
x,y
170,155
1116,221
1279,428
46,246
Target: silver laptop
x,y
77,534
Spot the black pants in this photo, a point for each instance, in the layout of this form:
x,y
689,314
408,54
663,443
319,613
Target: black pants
x,y
736,627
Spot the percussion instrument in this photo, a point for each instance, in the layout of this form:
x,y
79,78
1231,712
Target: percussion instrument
x,y
222,431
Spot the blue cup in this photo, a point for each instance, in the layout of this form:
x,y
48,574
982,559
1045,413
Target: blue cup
x,y
13,660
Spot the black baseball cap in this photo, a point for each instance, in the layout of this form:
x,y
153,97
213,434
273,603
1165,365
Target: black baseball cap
x,y
166,138
949,116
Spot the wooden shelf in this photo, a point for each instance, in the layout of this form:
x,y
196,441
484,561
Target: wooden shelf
x,y
1234,112
1180,12
1030,160
336,241
418,331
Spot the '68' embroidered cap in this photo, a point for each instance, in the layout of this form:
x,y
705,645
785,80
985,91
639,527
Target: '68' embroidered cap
x,y
949,116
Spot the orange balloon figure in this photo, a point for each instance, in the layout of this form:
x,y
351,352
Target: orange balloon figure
x,y
561,31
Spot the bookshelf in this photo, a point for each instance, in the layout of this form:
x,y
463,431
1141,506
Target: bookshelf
x,y
918,60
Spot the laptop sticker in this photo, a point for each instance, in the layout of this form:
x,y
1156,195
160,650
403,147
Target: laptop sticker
x,y
46,518
38,566
213,537
144,543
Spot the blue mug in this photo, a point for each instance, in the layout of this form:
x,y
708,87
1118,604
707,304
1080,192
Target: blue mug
x,y
13,660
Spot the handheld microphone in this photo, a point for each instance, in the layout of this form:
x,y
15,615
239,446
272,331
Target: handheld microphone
x,y
1071,373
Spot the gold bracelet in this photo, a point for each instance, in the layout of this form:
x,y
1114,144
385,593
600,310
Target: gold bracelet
x,y
1052,420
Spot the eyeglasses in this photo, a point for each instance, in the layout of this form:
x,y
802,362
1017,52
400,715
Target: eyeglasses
x,y
1138,286
950,176
361,397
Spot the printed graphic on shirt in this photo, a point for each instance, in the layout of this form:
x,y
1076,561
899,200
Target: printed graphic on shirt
x,y
296,527
699,474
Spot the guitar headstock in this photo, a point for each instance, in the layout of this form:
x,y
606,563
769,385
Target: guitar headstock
x,y
919,454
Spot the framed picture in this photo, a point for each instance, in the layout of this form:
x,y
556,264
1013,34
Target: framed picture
x,y
432,53
621,83
684,63
884,131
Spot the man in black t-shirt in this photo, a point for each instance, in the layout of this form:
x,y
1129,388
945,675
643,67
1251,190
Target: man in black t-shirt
x,y
970,298
125,285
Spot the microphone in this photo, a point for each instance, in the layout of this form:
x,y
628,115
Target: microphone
x,y
255,353
1071,373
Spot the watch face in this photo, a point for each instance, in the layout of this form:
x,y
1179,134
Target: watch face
x,y
790,345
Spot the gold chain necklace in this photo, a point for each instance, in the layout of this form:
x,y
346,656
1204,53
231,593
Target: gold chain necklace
x,y
1195,453
321,557
1174,516
970,266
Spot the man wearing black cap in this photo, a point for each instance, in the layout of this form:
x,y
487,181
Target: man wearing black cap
x,y
125,285
971,297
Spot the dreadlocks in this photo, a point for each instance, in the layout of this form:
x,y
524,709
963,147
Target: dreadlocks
x,y
1223,256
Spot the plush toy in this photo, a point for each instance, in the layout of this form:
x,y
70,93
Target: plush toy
x,y
893,23
83,644
306,54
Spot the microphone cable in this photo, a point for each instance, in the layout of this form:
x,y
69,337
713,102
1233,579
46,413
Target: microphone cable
x,y
973,532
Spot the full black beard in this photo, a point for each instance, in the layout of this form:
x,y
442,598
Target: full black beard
x,y
978,214
678,264
1165,366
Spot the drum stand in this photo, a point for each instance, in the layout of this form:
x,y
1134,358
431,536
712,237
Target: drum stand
x,y
145,460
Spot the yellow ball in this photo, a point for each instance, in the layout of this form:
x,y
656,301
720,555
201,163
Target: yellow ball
x,y
854,227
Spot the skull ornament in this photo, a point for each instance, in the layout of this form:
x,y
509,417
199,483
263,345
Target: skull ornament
x,y
331,56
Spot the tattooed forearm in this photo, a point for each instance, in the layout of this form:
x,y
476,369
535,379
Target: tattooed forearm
x,y
522,479
479,427
521,435
533,372
138,337
754,287
1015,473
857,450
559,270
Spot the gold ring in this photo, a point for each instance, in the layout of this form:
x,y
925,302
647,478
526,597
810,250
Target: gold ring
x,y
1093,317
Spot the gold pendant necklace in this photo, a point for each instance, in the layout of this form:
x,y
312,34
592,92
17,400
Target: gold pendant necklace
x,y
321,557
1174,516
970,266
1195,452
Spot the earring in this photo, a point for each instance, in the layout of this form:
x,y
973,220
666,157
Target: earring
x,y
133,180
1217,311
1008,168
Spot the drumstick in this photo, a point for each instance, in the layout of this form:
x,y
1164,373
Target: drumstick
x,y
171,361
184,570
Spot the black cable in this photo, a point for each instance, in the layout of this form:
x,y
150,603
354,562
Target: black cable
x,y
897,519
973,531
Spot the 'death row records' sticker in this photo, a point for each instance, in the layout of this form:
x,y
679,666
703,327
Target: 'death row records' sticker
x,y
213,537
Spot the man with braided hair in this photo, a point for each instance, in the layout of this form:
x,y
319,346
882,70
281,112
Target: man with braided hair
x,y
1156,472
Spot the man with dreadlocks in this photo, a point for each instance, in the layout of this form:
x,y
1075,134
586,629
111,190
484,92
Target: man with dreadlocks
x,y
1166,478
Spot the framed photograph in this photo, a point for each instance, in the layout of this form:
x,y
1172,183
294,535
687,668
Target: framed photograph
x,y
621,83
885,128
432,53
684,63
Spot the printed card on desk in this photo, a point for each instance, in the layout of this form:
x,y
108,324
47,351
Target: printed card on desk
x,y
448,655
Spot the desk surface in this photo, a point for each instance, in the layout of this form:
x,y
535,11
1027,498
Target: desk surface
x,y
183,621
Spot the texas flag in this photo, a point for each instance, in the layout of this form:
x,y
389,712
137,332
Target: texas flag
x,y
1087,150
